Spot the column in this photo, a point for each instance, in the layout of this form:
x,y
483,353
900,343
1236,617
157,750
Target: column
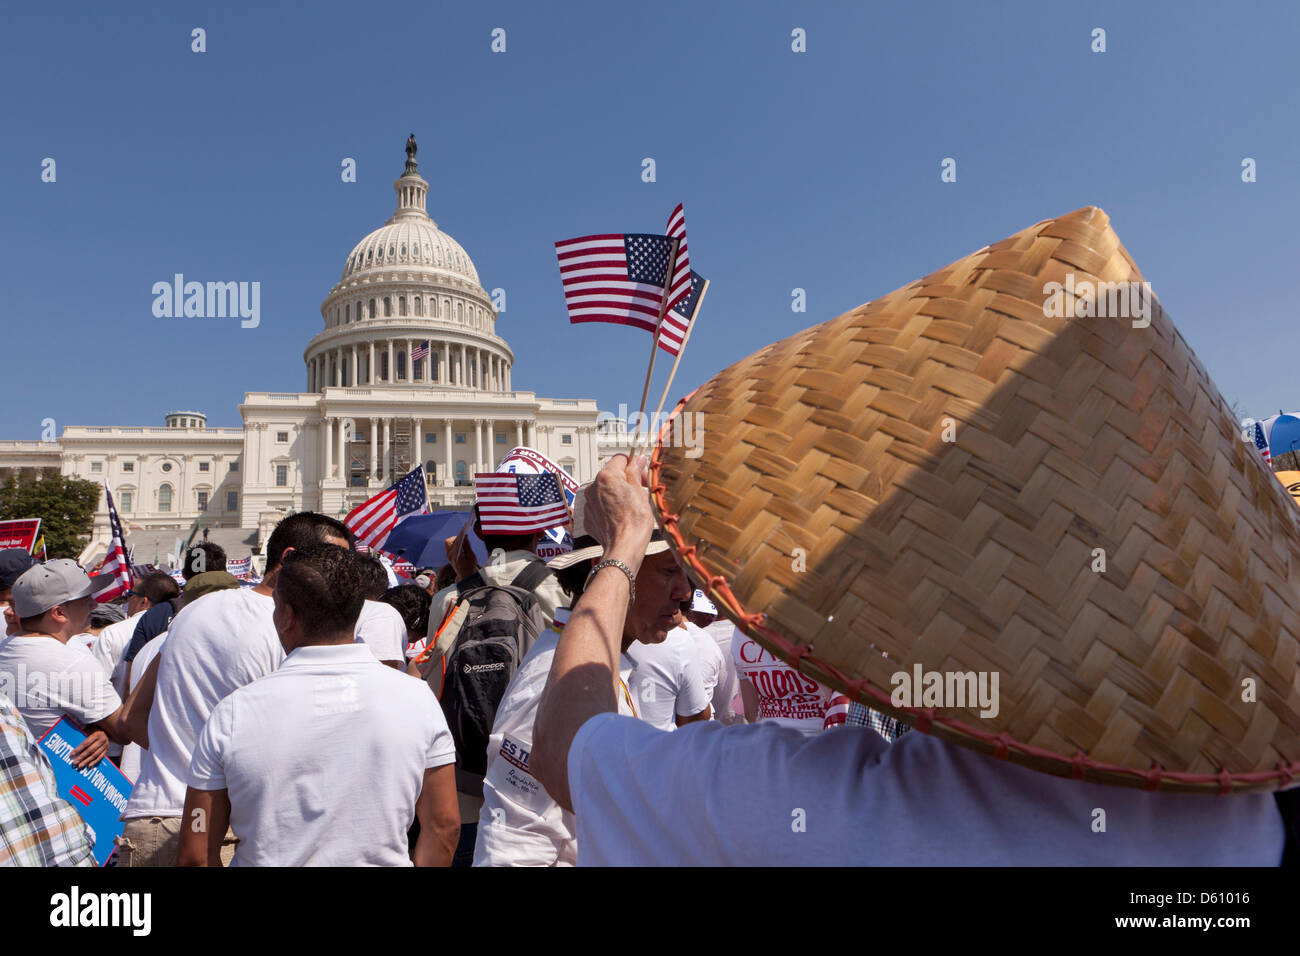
x,y
370,378
338,366
448,467
507,379
532,434
374,450
327,426
491,445
478,445
410,363
417,436
388,438
344,462
519,432
392,368
355,376
444,372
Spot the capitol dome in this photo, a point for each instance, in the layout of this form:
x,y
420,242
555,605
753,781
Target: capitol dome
x,y
406,242
409,309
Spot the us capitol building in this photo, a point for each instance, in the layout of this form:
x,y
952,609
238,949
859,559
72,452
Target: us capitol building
x,y
370,411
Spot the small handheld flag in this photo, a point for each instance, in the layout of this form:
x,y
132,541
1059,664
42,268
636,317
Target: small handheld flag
x,y
374,519
513,503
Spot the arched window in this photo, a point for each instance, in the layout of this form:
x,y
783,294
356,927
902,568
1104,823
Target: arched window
x,y
401,305
419,305
460,312
388,307
401,365
461,478
383,366
372,308
165,498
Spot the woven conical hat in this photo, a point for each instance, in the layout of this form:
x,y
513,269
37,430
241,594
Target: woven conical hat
x,y
1095,531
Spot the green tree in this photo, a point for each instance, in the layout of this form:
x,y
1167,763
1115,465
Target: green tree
x,y
66,507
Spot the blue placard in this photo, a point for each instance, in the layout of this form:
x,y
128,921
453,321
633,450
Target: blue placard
x,y
98,793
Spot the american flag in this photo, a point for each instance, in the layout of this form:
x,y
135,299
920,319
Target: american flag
x,y
682,277
241,567
1262,443
373,520
519,504
676,321
115,562
420,351
615,278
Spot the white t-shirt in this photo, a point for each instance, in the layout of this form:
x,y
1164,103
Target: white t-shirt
x,y
47,679
520,823
667,679
849,798
132,754
214,645
785,696
728,689
712,663
323,760
381,628
108,648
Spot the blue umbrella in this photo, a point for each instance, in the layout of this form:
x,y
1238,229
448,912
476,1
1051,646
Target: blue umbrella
x,y
1285,435
420,538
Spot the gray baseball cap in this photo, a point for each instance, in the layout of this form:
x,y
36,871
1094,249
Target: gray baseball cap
x,y
55,582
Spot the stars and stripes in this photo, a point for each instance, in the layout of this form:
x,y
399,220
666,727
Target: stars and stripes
x,y
242,568
615,278
1262,443
373,520
672,333
681,281
420,351
519,504
115,561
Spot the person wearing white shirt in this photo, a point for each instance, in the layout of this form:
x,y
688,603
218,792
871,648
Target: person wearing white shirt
x,y
148,590
380,626
327,761
667,684
214,646
521,824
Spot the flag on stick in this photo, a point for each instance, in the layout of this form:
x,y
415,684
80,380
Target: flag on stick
x,y
513,503
615,278
681,281
115,561
672,332
373,520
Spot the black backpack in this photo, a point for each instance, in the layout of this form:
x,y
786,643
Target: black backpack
x,y
501,624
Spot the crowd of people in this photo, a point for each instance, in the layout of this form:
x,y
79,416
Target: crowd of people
x,y
591,710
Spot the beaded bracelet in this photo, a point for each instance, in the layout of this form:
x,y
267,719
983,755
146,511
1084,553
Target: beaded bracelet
x,y
615,563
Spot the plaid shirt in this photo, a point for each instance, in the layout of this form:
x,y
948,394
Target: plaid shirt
x,y
37,828
888,727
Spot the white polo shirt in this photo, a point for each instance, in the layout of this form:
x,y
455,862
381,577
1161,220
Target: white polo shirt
x,y
850,798
667,680
381,628
214,646
47,679
323,760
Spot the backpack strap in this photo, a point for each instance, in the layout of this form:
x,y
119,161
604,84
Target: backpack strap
x,y
531,576
1288,804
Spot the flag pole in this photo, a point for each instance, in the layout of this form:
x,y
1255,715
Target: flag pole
x,y
681,351
654,342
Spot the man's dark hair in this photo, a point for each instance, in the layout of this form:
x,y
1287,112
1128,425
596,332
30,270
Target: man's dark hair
x,y
374,576
323,585
302,530
204,556
573,578
157,586
412,602
446,577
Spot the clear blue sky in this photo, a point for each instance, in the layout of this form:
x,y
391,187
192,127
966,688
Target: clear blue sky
x,y
817,170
